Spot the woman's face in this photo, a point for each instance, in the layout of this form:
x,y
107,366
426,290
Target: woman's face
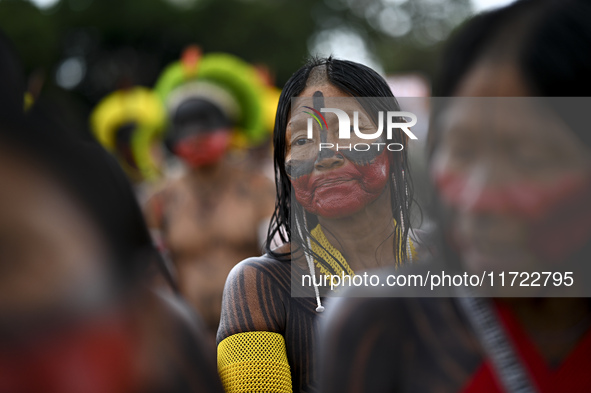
x,y
328,182
51,255
514,181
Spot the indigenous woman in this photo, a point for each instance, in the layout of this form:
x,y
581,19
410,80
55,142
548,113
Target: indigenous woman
x,y
513,188
208,217
337,212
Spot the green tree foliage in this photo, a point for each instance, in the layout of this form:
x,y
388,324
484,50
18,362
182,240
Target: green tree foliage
x,y
126,42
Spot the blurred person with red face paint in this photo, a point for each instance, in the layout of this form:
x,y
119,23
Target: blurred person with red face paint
x,y
510,160
337,212
207,216
76,311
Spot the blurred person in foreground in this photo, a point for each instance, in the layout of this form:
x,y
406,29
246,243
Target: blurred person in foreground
x,y
513,189
207,217
337,212
75,312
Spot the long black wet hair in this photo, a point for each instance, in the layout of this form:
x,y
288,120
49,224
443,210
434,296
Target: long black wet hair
x,y
356,80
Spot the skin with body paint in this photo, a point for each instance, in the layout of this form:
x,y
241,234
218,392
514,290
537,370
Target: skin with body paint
x,y
208,218
328,182
515,180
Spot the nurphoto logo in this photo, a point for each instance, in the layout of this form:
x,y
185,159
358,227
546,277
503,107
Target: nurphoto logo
x,y
394,120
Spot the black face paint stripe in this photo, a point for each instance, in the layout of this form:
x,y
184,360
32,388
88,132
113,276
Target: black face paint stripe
x,y
325,153
318,103
363,157
297,168
318,100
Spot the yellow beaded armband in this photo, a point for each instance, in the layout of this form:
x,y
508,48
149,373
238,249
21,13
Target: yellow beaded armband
x,y
254,362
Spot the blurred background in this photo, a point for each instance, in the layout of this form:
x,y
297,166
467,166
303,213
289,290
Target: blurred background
x,y
90,48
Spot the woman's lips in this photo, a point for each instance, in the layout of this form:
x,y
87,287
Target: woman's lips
x,y
335,177
331,182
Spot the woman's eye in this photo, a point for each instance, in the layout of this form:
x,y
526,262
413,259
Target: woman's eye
x,y
301,141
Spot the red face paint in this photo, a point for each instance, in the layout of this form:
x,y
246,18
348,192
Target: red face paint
x,y
557,215
203,149
344,190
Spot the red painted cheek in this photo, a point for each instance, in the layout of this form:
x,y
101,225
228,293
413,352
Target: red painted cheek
x,y
558,215
365,184
526,200
450,187
375,176
303,192
199,150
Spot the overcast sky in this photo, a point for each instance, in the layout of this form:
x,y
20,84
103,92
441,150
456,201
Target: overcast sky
x,y
479,5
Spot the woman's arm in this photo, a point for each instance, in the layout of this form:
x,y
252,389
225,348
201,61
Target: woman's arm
x,y
251,346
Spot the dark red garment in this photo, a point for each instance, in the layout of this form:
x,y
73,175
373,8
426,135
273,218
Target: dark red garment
x,y
573,375
92,358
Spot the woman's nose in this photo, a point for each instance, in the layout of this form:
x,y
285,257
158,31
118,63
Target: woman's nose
x,y
328,159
